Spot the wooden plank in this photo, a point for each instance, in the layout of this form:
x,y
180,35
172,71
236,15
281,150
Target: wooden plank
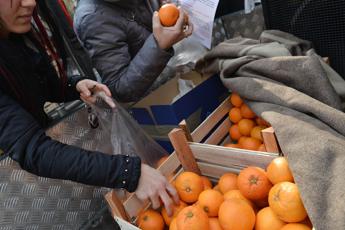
x,y
219,134
224,156
216,171
270,140
183,125
116,206
170,165
205,127
184,153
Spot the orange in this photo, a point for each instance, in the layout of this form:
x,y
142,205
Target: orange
x,y
256,132
236,100
262,148
176,210
232,145
253,183
210,201
216,188
234,132
251,143
245,126
173,225
238,195
192,218
241,140
227,182
162,160
246,112
168,14
236,214
150,220
266,219
262,203
284,199
235,115
307,222
262,122
206,182
214,224
278,171
295,227
189,185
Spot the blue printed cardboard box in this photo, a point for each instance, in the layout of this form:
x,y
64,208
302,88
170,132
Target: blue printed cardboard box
x,y
158,113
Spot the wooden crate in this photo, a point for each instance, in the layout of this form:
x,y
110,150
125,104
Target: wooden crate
x,y
205,158
215,130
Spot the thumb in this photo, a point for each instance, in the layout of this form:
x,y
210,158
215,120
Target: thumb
x,y
155,20
83,89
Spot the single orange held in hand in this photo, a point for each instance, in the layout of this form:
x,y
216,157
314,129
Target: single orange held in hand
x,y
227,182
234,132
189,186
254,183
236,100
278,171
245,126
168,14
210,201
235,115
192,218
246,112
150,220
285,200
266,219
236,214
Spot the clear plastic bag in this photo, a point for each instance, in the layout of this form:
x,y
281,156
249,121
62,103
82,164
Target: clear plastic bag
x,y
111,131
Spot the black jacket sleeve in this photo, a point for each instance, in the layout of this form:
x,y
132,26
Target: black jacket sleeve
x,y
23,139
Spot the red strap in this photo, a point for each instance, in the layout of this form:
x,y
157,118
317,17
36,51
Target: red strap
x,y
66,13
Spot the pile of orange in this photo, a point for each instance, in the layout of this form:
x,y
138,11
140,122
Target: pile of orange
x,y
254,199
245,131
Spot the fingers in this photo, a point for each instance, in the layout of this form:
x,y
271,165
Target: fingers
x,y
87,99
156,23
172,191
107,100
166,201
104,89
84,90
155,201
189,30
180,21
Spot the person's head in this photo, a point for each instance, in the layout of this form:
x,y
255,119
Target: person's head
x,y
15,16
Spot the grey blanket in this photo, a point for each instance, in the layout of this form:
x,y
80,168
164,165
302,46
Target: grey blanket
x,y
284,81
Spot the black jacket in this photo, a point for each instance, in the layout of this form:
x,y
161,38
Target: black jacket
x,y
22,123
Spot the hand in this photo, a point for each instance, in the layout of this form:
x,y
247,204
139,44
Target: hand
x,y
89,90
167,36
153,185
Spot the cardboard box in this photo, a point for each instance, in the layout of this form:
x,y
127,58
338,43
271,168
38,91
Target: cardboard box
x,y
158,114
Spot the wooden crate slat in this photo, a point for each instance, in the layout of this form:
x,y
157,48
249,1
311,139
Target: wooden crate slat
x,y
170,165
205,127
270,140
216,171
219,134
230,156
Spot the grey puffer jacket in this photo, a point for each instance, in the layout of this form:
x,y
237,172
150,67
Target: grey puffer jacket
x,y
118,37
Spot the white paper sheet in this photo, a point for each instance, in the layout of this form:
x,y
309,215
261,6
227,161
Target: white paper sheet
x,y
201,14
